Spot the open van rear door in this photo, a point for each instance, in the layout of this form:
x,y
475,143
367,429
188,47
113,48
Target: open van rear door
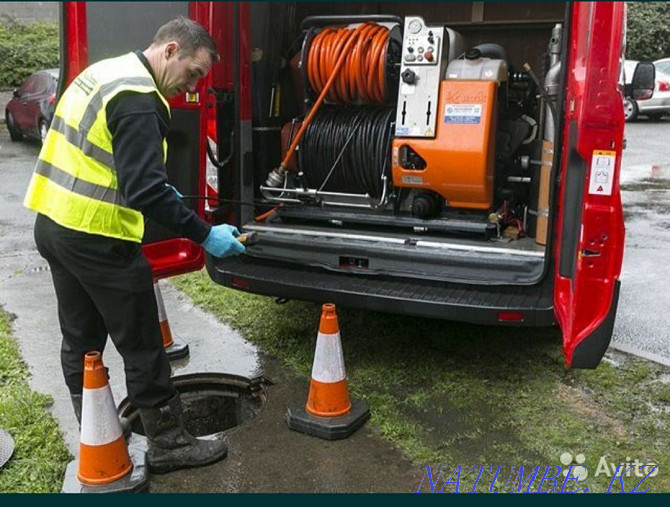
x,y
589,231
92,31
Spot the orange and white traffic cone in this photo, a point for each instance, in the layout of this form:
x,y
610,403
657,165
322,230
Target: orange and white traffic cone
x,y
329,412
174,347
104,464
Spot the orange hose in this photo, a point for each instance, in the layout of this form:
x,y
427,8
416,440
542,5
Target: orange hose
x,y
363,75
364,51
264,216
329,44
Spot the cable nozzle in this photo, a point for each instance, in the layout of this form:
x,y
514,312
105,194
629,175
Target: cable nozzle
x,y
276,177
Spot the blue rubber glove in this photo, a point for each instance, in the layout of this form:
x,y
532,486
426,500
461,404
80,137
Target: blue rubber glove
x,y
221,241
179,194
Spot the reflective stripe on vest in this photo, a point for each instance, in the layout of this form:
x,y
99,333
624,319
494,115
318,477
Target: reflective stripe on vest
x,y
74,137
77,186
75,181
96,101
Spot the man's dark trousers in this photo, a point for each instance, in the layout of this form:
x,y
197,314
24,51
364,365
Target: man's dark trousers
x,y
105,286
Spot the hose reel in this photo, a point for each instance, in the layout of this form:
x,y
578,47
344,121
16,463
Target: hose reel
x,y
345,146
370,73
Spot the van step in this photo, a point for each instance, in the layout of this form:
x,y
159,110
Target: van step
x,y
477,304
403,255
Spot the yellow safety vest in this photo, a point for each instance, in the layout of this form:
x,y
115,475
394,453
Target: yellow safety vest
x,y
75,182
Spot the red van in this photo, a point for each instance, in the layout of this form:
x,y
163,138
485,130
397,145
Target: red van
x,y
461,163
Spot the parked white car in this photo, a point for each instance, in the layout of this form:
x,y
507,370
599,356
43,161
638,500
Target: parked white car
x,y
659,104
663,65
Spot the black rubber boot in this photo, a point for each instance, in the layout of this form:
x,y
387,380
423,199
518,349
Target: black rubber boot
x,y
171,447
126,425
76,405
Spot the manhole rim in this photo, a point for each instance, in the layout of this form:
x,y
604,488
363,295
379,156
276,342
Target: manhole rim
x,y
256,387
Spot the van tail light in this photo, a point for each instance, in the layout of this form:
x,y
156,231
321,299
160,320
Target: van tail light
x,y
517,317
664,86
52,98
239,283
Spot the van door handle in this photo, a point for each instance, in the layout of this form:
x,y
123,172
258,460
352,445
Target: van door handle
x,y
590,253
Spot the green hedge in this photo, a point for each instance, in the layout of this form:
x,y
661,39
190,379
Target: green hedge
x,y
648,30
25,49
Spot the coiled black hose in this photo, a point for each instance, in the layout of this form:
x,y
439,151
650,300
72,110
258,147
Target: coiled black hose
x,y
348,149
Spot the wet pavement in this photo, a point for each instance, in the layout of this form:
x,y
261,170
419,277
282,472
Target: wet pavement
x,y
264,456
642,321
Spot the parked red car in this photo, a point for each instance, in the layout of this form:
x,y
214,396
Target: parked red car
x,y
30,112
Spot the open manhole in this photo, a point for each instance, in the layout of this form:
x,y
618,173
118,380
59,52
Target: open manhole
x,y
212,402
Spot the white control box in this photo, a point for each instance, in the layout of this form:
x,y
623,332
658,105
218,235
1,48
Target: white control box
x,y
422,65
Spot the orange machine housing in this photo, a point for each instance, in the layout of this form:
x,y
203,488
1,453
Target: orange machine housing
x,y
460,159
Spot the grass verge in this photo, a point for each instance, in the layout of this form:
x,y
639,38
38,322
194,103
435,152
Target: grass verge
x,y
450,393
40,455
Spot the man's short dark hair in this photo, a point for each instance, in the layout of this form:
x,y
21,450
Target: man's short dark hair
x,y
190,35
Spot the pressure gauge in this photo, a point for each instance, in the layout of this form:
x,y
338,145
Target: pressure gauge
x,y
415,26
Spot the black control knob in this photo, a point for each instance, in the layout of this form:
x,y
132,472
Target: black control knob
x,y
473,54
408,76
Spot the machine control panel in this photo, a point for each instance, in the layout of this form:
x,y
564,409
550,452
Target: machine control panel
x,y
422,63
421,50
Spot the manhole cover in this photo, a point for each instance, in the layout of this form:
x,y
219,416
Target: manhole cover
x,y
213,402
6,447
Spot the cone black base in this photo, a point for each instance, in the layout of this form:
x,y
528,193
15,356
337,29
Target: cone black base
x,y
137,481
328,428
178,350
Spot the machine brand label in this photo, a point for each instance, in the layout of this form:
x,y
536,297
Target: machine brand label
x,y
412,180
602,172
464,98
463,113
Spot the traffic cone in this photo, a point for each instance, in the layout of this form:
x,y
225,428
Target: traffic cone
x,y
104,464
329,412
174,347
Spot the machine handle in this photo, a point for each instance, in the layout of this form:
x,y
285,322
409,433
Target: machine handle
x,y
248,238
311,21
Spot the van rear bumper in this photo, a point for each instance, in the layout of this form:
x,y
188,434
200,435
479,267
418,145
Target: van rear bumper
x,y
477,304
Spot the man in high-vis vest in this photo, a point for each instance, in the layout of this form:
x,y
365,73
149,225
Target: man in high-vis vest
x,y
100,174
